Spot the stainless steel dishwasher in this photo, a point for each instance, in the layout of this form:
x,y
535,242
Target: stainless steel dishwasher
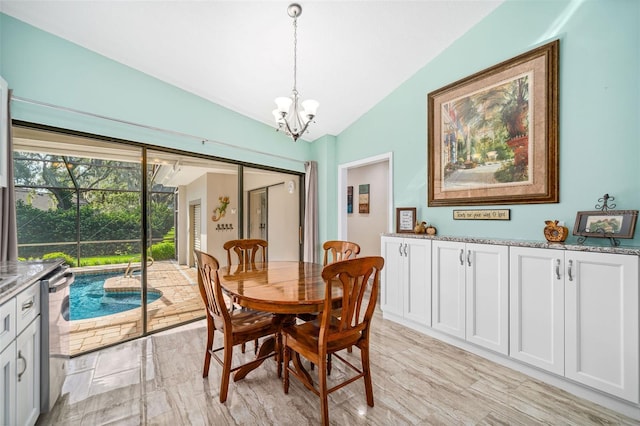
x,y
54,343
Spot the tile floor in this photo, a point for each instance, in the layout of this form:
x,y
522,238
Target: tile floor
x,y
417,380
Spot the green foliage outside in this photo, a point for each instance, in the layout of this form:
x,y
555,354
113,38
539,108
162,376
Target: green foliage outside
x,y
95,202
163,251
57,255
160,251
108,260
47,226
170,236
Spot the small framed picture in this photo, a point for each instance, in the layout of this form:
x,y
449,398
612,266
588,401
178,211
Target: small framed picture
x,y
606,224
405,219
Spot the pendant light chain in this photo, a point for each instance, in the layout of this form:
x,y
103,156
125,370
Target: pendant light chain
x,y
295,54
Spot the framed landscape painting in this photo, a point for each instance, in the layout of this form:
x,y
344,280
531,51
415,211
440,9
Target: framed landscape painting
x,y
606,224
493,136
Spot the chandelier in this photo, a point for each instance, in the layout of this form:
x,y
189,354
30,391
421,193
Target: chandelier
x,y
293,117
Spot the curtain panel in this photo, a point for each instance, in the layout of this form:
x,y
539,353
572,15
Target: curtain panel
x,y
8,226
310,247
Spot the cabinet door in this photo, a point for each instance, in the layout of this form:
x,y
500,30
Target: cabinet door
x,y
28,366
601,320
537,307
8,385
487,296
7,323
417,303
392,290
448,285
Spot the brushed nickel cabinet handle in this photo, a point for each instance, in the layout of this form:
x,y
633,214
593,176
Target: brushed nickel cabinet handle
x,y
558,268
462,257
27,305
469,257
570,270
20,357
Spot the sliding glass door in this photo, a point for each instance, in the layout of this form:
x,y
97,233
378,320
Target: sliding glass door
x,y
127,218
80,199
202,220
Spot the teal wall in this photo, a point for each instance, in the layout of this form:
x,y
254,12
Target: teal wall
x,y
45,68
599,118
599,110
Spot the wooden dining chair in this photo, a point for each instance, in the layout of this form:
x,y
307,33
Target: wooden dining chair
x,y
246,250
334,251
236,325
358,279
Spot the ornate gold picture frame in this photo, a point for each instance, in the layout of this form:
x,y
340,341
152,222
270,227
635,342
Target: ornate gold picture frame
x,y
493,136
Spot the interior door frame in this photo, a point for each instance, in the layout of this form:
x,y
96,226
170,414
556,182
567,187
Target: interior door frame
x,y
265,190
343,170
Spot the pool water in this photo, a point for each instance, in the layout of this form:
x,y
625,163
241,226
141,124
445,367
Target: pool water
x,y
87,298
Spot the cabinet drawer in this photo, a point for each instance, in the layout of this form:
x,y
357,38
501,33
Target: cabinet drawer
x,y
7,323
27,306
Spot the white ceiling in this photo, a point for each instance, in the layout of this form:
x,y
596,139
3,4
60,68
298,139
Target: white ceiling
x,y
239,54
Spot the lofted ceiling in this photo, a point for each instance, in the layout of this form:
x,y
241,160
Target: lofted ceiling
x,y
239,54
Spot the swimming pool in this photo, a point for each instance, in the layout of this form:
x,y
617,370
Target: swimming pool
x,y
87,298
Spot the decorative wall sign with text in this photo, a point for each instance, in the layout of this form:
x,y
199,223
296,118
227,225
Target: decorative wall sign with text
x,y
349,199
490,214
405,219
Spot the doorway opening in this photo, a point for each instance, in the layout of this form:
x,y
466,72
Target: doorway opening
x,y
366,228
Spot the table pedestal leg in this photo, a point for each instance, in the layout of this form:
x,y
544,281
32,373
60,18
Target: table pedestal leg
x,y
267,347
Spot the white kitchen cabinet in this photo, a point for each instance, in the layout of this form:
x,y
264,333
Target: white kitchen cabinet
x,y
536,292
601,322
448,285
8,385
20,358
28,366
7,323
568,315
406,279
470,292
575,314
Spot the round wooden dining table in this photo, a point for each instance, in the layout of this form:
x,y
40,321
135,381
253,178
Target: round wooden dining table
x,y
281,287
285,288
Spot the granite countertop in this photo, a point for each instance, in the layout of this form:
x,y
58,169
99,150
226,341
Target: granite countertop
x,y
18,275
634,251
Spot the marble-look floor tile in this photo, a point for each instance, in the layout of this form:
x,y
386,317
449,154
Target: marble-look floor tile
x,y
417,380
